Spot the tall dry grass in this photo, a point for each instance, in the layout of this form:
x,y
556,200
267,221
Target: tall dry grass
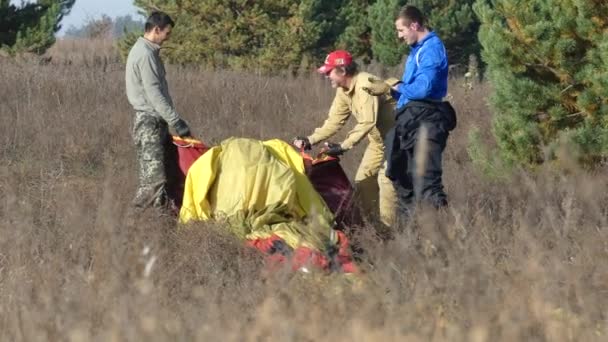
x,y
524,259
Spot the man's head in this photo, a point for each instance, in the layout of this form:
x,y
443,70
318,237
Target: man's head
x,y
158,27
410,25
340,68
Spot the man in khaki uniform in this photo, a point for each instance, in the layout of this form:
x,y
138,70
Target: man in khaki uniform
x,y
374,115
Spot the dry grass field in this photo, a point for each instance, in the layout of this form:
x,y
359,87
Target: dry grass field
x,y
521,259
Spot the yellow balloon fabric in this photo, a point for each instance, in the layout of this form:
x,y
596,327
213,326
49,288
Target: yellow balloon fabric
x,y
259,188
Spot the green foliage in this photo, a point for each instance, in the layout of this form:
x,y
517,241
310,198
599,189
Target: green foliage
x,y
355,35
272,35
31,27
385,45
331,20
484,161
547,61
266,35
126,43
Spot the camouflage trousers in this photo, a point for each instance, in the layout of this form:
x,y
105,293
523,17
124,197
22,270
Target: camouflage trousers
x,y
152,142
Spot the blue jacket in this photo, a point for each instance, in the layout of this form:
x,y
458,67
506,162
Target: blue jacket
x,y
426,72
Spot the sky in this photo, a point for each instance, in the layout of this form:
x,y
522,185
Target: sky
x,y
84,9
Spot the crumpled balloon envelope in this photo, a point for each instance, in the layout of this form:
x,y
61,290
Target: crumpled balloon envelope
x,y
259,188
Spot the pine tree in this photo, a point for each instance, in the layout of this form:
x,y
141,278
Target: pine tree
x,y
266,35
31,27
342,24
328,18
547,61
355,33
385,45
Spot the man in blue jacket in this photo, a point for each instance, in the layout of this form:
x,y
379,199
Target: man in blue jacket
x,y
415,146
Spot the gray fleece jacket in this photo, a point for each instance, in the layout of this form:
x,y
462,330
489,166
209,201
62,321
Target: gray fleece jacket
x,y
147,87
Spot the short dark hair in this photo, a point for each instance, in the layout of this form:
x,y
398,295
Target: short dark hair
x,y
158,19
411,14
351,69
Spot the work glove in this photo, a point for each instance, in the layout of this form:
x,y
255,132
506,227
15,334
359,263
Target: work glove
x,y
378,87
182,129
333,149
302,142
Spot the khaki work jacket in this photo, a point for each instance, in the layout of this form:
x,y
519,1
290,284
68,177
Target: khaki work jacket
x,y
374,114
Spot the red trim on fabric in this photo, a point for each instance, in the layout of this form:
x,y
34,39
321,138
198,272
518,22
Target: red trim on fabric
x,y
304,256
320,158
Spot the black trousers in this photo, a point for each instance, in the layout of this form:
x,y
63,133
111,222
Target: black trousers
x,y
414,152
420,170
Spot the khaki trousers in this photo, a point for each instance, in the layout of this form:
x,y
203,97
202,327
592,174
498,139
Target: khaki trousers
x,y
374,191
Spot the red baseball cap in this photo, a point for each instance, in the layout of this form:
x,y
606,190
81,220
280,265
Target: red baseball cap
x,y
338,58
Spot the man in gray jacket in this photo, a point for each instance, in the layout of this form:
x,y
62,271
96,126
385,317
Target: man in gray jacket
x,y
148,93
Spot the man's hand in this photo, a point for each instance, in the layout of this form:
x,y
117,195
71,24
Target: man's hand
x,y
182,129
378,87
333,149
302,143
